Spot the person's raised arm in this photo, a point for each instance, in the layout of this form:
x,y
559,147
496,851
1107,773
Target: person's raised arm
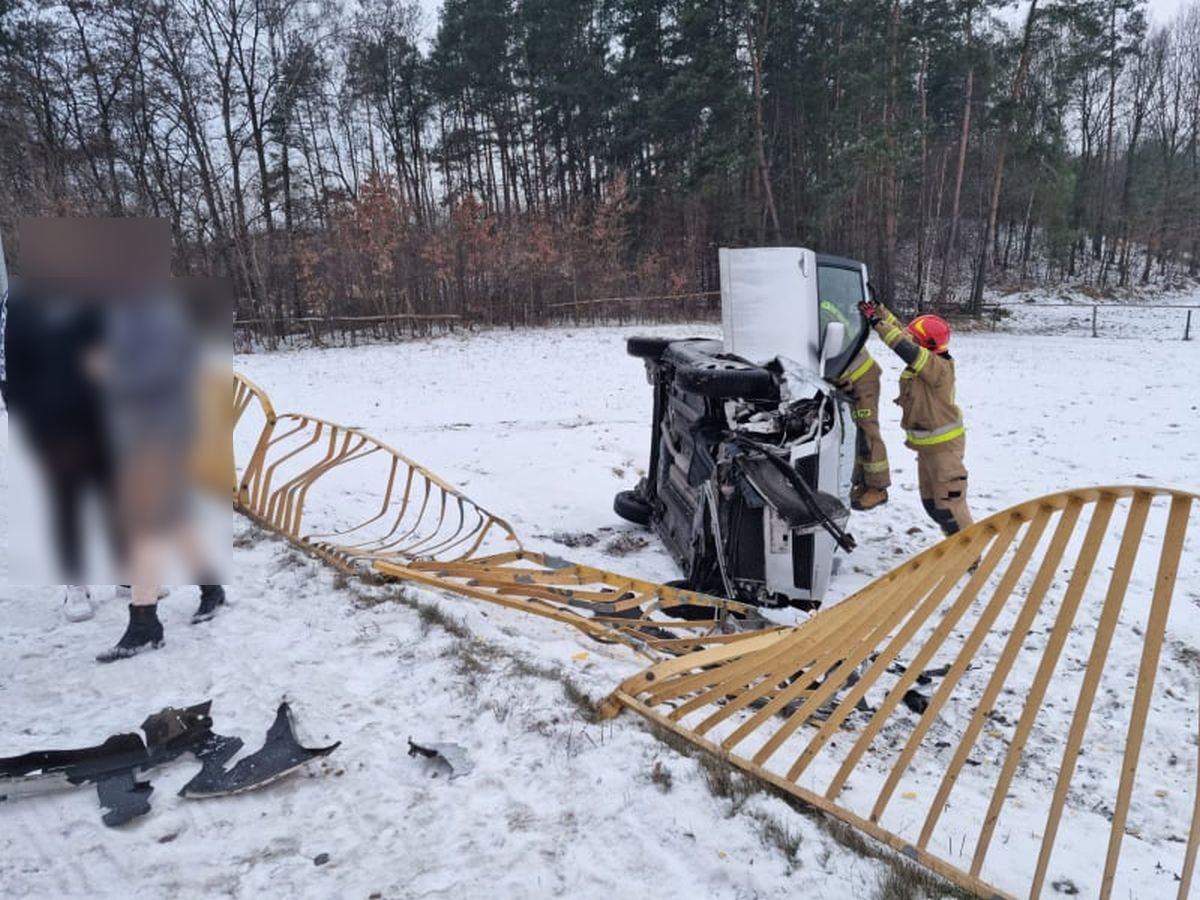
x,y
888,327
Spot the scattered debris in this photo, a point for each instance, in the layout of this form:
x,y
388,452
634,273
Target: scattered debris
x,y
625,543
1065,886
114,765
451,756
661,776
926,677
929,674
281,753
574,539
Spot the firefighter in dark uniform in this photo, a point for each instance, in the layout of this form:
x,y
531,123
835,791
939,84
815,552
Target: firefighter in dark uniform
x,y
932,421
861,383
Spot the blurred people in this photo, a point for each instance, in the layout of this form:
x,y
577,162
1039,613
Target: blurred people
x,y
102,364
58,405
150,380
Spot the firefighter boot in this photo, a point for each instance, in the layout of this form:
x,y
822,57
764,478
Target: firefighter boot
x,y
868,498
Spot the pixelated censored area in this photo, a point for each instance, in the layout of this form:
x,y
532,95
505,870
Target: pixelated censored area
x,y
120,432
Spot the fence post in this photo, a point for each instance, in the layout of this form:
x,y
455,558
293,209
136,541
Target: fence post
x,y
1187,326
1094,310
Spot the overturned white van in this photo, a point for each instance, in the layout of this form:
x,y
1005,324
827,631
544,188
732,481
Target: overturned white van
x,y
752,449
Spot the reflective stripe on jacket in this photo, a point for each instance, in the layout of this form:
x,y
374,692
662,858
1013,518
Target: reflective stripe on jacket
x,y
859,366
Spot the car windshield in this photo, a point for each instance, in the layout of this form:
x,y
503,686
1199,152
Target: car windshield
x,y
840,291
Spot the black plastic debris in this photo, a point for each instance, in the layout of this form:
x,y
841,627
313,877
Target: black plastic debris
x,y
281,753
926,677
115,765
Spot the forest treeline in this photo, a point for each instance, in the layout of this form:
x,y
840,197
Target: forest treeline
x,y
515,160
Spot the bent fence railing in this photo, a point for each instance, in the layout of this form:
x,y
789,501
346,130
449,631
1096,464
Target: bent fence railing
x,y
395,518
928,710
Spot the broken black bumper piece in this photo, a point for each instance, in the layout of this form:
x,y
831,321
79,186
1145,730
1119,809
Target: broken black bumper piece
x,y
281,753
115,765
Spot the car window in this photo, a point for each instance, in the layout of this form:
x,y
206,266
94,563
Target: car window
x,y
840,290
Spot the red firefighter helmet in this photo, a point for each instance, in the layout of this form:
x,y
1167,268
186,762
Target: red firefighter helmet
x,y
931,332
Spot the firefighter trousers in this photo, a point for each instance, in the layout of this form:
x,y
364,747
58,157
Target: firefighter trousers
x,y
870,457
942,478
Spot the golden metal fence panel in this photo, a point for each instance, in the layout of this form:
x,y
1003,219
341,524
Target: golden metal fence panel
x,y
416,527
983,675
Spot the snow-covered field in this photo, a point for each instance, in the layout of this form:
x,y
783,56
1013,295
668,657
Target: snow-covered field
x,y
541,427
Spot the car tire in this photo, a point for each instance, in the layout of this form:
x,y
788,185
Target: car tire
x,y
728,383
632,507
644,347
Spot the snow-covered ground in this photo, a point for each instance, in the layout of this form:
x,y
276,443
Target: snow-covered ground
x,y
541,427
1066,312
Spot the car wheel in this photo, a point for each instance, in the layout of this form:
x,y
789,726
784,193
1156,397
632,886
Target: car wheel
x,y
728,383
644,347
632,507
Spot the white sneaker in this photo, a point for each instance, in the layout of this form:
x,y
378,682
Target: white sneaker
x,y
77,604
125,592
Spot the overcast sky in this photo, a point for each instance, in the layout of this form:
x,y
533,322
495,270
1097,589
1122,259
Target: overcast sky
x,y
1161,11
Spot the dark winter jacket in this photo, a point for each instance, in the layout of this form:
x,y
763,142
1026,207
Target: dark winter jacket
x,y
48,388
931,418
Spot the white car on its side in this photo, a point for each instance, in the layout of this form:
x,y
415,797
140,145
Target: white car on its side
x,y
751,448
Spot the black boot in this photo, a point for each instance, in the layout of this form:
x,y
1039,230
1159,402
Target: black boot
x,y
144,632
211,596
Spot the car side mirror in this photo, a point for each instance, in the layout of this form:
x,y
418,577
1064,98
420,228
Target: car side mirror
x,y
832,342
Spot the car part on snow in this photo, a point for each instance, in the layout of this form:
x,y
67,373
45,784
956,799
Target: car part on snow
x,y
109,766
1013,602
280,754
424,530
452,756
113,766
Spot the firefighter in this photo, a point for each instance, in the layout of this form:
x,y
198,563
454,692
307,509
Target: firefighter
x,y
931,420
861,383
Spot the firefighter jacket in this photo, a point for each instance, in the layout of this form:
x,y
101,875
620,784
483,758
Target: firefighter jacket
x,y
858,368
930,416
